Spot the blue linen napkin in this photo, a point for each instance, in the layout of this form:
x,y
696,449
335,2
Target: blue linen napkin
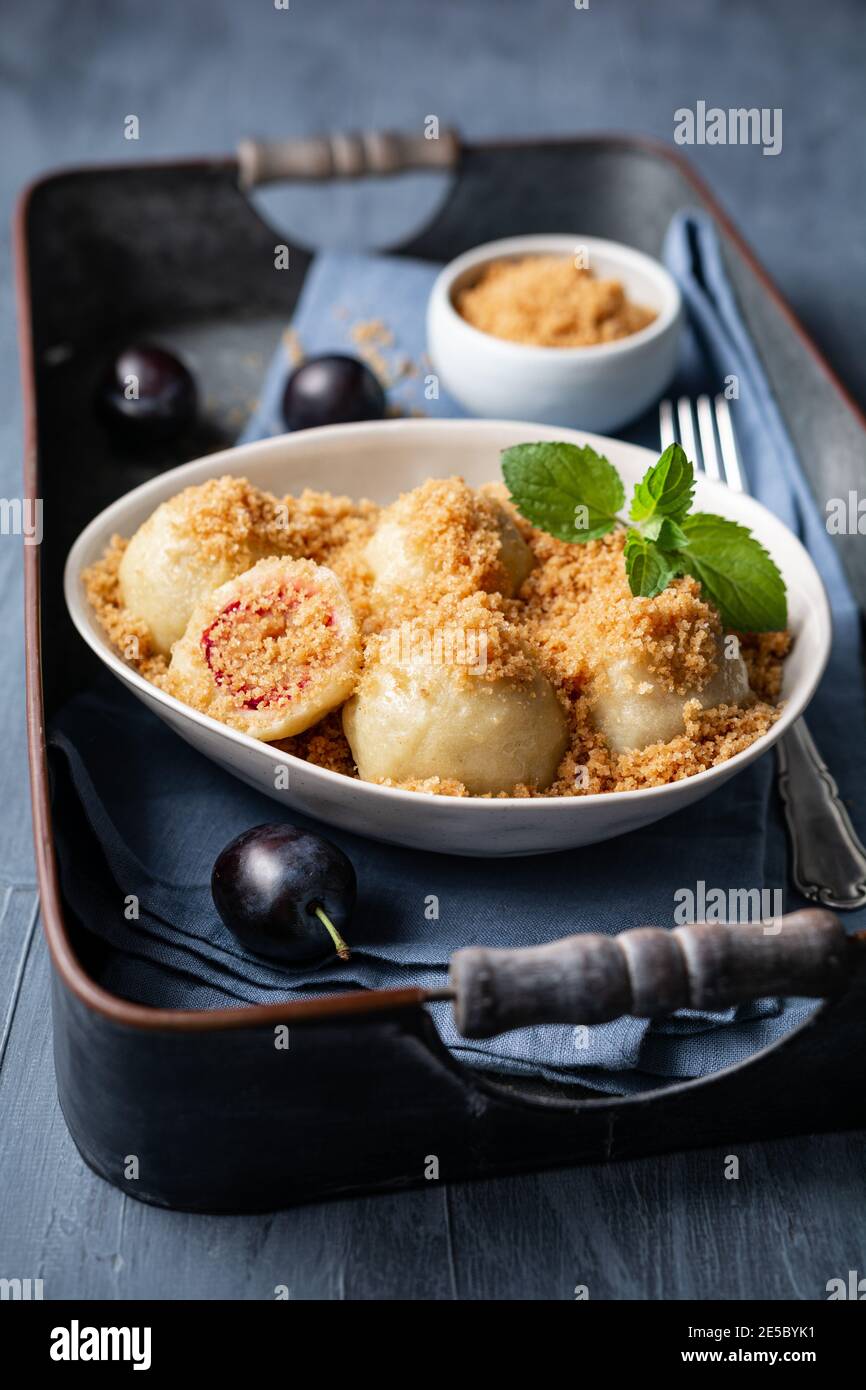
x,y
155,813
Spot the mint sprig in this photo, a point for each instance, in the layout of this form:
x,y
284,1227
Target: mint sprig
x,y
576,495
736,572
569,492
649,568
666,489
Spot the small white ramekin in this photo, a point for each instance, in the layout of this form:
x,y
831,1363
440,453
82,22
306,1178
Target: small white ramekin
x,y
596,388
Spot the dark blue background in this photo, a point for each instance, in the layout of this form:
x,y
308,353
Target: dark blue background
x,y
200,74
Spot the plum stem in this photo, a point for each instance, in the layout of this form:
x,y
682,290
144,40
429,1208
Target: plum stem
x,y
341,947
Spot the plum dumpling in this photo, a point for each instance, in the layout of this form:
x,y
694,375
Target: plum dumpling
x,y
458,697
270,652
650,657
191,545
444,535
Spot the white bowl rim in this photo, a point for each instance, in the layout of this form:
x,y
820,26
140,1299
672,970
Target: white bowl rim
x,y
536,244
77,607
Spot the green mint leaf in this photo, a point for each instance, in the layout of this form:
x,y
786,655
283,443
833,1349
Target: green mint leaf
x,y
667,534
569,491
665,489
649,568
575,494
735,573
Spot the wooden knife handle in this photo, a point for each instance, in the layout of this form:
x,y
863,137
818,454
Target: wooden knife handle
x,y
647,972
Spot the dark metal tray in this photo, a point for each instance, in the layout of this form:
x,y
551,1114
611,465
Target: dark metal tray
x,y
219,1119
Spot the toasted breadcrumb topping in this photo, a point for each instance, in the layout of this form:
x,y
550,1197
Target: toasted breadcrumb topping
x,y
448,523
127,634
325,745
571,613
223,515
470,634
549,302
580,610
318,526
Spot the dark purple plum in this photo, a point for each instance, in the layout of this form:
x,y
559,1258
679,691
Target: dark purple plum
x,y
148,395
285,893
332,390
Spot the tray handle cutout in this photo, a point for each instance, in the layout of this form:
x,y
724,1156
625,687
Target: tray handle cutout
x,y
344,155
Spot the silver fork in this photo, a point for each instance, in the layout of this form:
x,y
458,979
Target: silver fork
x,y
828,860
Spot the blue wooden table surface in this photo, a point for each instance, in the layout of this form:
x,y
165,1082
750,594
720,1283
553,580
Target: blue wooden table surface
x,y
198,76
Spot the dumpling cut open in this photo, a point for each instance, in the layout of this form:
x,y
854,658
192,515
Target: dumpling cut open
x,y
271,652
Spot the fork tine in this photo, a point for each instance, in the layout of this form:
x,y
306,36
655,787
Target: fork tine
x,y
728,444
708,438
688,439
666,424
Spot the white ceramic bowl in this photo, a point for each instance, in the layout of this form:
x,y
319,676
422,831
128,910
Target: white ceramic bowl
x,y
590,388
379,460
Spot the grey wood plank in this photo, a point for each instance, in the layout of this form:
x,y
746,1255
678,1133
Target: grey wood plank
x,y
18,920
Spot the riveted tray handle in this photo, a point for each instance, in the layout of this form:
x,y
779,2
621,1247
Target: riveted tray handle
x,y
347,155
